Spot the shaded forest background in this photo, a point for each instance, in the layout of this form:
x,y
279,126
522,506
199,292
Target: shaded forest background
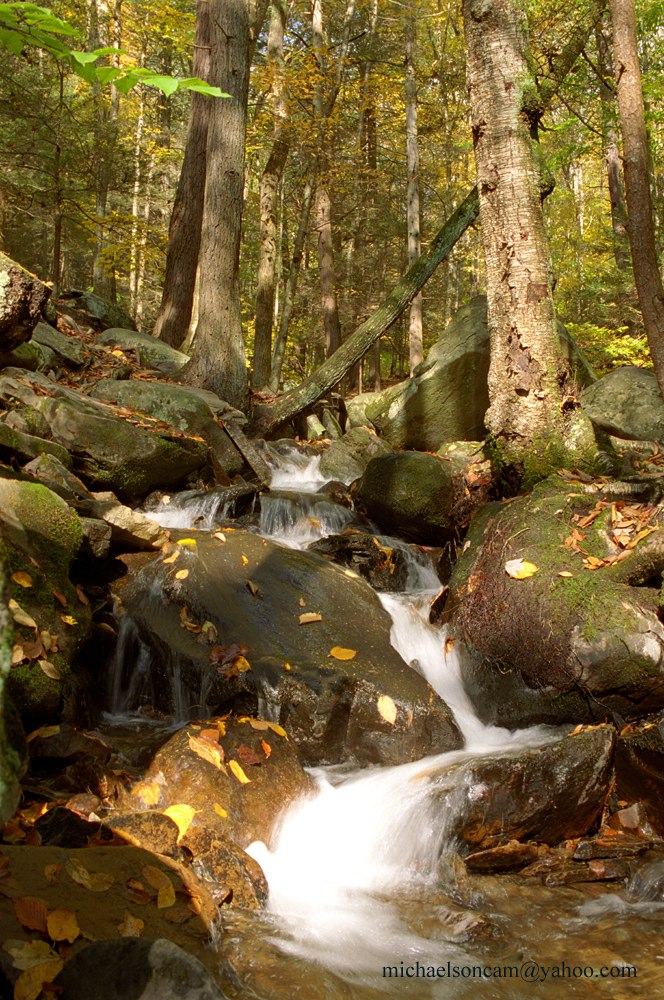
x,y
88,174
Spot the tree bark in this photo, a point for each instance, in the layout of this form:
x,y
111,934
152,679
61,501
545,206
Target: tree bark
x,y
218,359
612,153
524,391
268,199
415,348
184,234
354,347
640,226
327,270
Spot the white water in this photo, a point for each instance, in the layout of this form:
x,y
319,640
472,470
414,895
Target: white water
x,y
293,469
190,510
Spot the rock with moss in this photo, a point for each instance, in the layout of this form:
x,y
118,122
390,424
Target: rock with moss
x,y
627,404
15,443
39,537
28,355
408,494
68,350
151,352
570,641
12,741
347,458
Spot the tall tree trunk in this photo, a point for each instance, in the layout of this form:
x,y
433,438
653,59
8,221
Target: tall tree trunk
x,y
268,200
184,234
640,226
524,390
218,359
612,153
327,269
415,348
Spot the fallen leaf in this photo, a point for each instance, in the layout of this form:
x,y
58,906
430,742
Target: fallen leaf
x,y
267,749
22,579
131,926
206,750
220,811
20,616
519,569
245,561
52,873
18,655
565,573
248,756
68,620
96,882
310,616
171,559
238,772
387,709
31,913
50,670
279,730
150,793
43,733
182,815
188,543
13,832
82,596
220,536
339,653
287,666
46,640
593,563
182,574
63,926
60,597
160,881
25,954
30,983
252,588
209,630
302,602
211,734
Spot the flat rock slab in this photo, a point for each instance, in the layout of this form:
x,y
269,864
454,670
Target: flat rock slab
x,y
151,353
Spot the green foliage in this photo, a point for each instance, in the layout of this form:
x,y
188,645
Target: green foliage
x,y
608,348
26,24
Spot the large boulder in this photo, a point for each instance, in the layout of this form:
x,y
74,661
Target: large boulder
x,y
547,793
67,350
448,395
626,403
409,494
347,458
94,311
572,640
22,298
283,633
151,352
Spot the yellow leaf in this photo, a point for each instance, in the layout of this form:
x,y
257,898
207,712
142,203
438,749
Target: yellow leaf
x,y
238,772
206,750
519,569
171,559
96,882
182,815
279,730
68,620
22,579
287,666
339,653
43,733
155,877
245,561
149,793
63,926
131,926
25,954
220,536
387,709
29,984
166,897
20,616
18,654
220,811
565,573
310,616
182,574
189,543
50,670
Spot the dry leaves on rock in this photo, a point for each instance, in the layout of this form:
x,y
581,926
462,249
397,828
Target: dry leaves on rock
x,y
309,617
387,709
237,771
131,926
207,750
339,653
520,569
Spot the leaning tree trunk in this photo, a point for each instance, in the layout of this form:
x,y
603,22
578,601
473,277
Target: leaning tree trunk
x,y
524,390
184,234
640,227
218,360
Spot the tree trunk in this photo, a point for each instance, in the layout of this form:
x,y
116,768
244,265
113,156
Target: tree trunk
x,y
184,234
354,347
268,200
218,360
612,153
415,349
640,227
524,390
327,270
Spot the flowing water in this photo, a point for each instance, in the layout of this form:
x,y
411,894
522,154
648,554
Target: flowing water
x,y
363,875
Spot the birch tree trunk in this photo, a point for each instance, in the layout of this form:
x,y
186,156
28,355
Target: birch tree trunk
x,y
640,226
415,349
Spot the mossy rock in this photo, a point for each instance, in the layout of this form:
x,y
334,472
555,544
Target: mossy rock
x,y
566,644
151,352
12,740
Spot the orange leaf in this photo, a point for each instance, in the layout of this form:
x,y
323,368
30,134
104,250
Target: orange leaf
x,y
207,750
131,926
182,574
267,749
63,926
31,913
22,579
50,670
310,616
339,653
82,596
30,983
60,597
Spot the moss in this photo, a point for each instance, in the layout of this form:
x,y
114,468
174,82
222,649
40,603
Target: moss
x,y
53,528
38,698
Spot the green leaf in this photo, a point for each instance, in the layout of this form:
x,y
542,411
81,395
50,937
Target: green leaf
x,y
11,41
201,87
106,74
167,84
85,57
126,83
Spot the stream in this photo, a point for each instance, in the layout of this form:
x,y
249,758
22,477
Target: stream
x,y
367,895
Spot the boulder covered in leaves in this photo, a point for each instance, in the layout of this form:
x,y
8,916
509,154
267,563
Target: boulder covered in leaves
x,y
248,625
554,607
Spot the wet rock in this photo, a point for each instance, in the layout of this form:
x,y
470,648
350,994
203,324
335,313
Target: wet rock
x,y
504,858
232,877
67,350
61,827
556,870
130,530
384,566
546,794
568,643
142,970
347,458
633,819
611,844
408,494
627,404
22,298
64,743
151,352
238,775
368,708
146,828
640,772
